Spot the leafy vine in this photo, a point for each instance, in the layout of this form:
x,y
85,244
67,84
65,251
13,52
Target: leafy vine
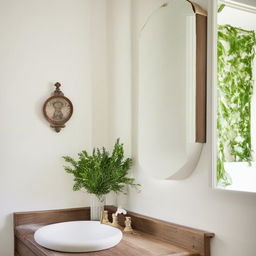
x,y
236,52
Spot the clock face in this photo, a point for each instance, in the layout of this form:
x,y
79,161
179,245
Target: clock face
x,y
58,109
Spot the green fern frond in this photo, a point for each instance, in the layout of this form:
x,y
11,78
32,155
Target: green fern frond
x,y
100,172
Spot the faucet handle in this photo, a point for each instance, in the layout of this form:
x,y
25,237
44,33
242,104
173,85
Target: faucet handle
x,y
128,225
104,218
115,222
120,210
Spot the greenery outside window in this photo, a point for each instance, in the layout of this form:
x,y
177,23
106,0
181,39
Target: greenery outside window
x,y
236,52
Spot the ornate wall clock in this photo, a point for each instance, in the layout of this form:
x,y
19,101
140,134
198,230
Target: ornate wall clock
x,y
57,109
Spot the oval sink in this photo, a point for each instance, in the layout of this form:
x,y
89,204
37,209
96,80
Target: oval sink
x,y
78,236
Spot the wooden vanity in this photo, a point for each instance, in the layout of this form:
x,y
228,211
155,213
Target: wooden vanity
x,y
152,238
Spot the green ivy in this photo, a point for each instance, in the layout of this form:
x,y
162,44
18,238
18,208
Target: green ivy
x,y
236,52
221,7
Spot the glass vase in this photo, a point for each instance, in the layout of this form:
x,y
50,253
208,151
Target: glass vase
x,y
97,206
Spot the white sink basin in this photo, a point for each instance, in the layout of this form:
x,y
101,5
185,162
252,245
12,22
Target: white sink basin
x,y
78,236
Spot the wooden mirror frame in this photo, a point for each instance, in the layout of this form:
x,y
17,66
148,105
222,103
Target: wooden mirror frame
x,y
201,71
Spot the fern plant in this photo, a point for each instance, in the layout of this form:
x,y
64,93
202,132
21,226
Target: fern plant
x,y
101,172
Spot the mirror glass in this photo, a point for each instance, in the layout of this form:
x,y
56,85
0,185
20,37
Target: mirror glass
x,y
235,119
167,84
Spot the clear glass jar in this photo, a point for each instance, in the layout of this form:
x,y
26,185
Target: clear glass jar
x,y
97,206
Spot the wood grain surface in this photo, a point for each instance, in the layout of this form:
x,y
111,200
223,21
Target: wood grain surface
x,y
197,8
186,237
131,245
51,216
153,237
201,77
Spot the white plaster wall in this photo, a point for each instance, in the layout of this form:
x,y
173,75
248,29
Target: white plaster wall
x,y
119,70
99,73
43,42
192,202
119,76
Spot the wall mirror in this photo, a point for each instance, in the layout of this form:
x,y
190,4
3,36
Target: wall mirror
x,y
172,92
235,96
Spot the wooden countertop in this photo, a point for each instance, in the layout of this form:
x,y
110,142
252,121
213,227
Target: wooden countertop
x,y
138,244
153,237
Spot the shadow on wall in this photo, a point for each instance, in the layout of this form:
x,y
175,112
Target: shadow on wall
x,y
6,235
